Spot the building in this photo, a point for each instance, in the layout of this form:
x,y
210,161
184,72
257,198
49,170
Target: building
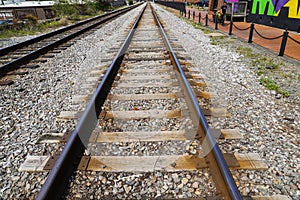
x,y
19,9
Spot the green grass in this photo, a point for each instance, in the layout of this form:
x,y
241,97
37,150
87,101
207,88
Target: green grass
x,y
214,43
197,25
247,52
271,85
68,13
205,31
263,64
31,28
286,75
218,40
260,72
200,27
266,62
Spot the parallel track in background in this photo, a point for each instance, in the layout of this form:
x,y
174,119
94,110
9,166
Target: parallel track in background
x,y
147,68
13,57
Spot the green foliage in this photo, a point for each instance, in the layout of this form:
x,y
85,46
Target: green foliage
x,y
215,40
271,85
31,28
197,25
103,5
284,93
260,72
286,75
53,24
31,19
205,30
262,64
200,26
65,11
77,11
213,43
266,62
244,49
247,52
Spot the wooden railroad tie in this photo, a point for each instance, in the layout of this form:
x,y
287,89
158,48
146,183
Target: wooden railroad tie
x,y
146,163
151,136
156,84
154,136
68,115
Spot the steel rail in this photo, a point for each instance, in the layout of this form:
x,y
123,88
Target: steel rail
x,y
220,171
6,50
15,64
58,178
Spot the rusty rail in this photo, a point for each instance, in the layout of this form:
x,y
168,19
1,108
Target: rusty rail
x,y
68,160
217,164
15,64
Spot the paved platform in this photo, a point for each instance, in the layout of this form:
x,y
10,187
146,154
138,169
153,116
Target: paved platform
x,y
292,48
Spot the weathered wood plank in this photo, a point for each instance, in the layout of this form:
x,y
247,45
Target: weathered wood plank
x,y
143,114
157,84
157,136
158,70
34,163
198,83
127,97
93,79
275,197
97,72
67,115
167,163
80,98
205,95
50,138
216,112
145,163
140,136
231,134
250,161
140,77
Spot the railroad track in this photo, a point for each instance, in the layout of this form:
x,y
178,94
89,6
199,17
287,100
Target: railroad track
x,y
144,119
13,57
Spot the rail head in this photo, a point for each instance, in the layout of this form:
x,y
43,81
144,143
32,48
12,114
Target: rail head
x,y
6,50
15,64
58,178
221,173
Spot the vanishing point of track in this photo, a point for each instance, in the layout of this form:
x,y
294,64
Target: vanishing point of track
x,y
145,60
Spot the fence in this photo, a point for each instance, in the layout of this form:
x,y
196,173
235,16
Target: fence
x,y
285,35
175,5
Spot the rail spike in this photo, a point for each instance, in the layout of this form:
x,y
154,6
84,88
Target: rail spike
x,y
58,179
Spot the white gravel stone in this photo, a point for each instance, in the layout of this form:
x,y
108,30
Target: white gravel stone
x,y
30,106
268,121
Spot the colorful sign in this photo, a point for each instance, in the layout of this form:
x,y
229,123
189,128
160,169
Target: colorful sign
x,y
277,13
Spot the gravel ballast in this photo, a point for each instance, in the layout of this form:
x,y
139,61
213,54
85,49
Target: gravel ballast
x,y
269,122
30,106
